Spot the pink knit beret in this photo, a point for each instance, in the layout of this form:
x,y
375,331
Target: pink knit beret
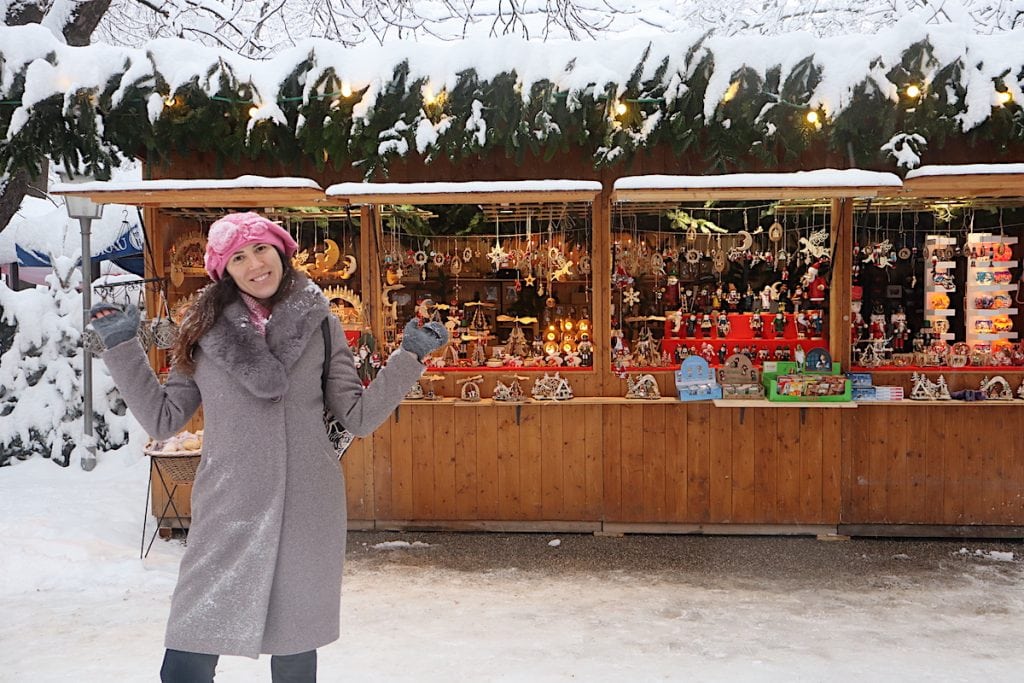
x,y
237,230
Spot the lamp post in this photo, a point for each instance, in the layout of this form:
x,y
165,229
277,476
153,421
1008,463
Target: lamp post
x,y
86,211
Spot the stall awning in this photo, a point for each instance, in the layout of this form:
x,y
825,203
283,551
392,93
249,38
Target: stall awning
x,y
819,184
244,191
966,181
480,192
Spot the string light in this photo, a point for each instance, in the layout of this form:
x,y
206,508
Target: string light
x,y
813,118
169,101
254,111
1004,97
730,93
346,89
621,108
913,91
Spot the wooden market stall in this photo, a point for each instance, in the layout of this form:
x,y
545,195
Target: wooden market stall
x,y
600,462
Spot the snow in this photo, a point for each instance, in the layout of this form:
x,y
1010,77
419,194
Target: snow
x,y
826,177
356,190
79,605
578,69
965,169
241,182
43,225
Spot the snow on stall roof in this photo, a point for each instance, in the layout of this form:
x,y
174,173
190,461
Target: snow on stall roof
x,y
825,177
245,181
965,169
843,63
483,187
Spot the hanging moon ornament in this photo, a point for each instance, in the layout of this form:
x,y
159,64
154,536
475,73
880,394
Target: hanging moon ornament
x,y
746,241
350,267
332,254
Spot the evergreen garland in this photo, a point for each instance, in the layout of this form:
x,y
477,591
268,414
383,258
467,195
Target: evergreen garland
x,y
762,121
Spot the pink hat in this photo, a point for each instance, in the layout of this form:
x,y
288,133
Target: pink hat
x,y
237,230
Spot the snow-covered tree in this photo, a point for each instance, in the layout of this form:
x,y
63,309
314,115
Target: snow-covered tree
x,y
41,375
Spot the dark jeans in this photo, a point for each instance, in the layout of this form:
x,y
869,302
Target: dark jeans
x,y
192,667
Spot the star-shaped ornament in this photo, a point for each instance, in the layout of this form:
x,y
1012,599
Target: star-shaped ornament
x,y
529,280
631,297
497,254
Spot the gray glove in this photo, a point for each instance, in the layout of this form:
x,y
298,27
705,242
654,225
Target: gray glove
x,y
423,340
116,327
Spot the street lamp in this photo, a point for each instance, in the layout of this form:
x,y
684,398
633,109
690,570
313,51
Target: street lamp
x,y
86,211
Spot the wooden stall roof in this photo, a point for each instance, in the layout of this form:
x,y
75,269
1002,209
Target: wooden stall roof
x,y
243,191
479,192
818,184
966,181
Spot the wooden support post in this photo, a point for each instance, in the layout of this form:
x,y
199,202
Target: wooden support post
x,y
840,291
369,255
601,268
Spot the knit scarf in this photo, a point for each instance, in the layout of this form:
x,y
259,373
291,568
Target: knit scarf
x,y
258,313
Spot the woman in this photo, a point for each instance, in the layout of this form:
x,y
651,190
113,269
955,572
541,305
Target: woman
x,y
262,570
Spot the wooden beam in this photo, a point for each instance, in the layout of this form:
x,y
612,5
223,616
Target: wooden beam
x,y
960,186
600,325
840,292
255,197
467,197
674,194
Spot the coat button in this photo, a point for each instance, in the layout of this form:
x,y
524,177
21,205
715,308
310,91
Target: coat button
x,y
275,399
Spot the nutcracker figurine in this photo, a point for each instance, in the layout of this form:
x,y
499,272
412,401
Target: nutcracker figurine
x,y
747,300
691,325
756,325
705,325
900,331
722,324
779,324
817,323
803,325
732,299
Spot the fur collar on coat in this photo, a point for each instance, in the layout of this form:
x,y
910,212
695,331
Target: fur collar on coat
x,y
261,363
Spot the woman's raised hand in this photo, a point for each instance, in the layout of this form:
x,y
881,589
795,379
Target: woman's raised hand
x,y
423,340
113,325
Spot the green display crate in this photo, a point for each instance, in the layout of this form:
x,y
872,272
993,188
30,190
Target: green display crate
x,y
771,389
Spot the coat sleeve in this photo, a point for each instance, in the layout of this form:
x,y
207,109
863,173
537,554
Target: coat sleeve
x,y
361,409
162,409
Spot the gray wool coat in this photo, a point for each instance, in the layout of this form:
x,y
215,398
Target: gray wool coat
x,y
262,570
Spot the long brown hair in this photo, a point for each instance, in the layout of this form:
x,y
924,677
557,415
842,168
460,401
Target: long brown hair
x,y
208,307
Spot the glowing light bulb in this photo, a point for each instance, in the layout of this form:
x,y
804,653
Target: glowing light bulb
x,y
730,93
812,117
169,101
913,91
253,111
1004,97
346,89
621,108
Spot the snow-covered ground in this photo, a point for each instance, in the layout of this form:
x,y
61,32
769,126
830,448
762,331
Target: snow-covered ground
x,y
77,604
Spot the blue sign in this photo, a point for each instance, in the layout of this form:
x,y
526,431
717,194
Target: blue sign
x,y
125,251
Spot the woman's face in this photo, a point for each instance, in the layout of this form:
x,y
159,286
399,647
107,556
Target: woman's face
x,y
256,269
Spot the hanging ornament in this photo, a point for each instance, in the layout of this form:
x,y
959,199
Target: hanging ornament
x,y
529,280
419,258
775,231
497,254
467,255
584,264
456,266
631,297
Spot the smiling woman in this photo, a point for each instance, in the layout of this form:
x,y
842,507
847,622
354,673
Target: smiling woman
x,y
262,572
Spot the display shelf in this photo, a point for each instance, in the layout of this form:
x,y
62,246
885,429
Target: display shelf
x,y
765,403
993,336
984,312
995,265
991,239
943,312
578,401
938,239
944,264
992,288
